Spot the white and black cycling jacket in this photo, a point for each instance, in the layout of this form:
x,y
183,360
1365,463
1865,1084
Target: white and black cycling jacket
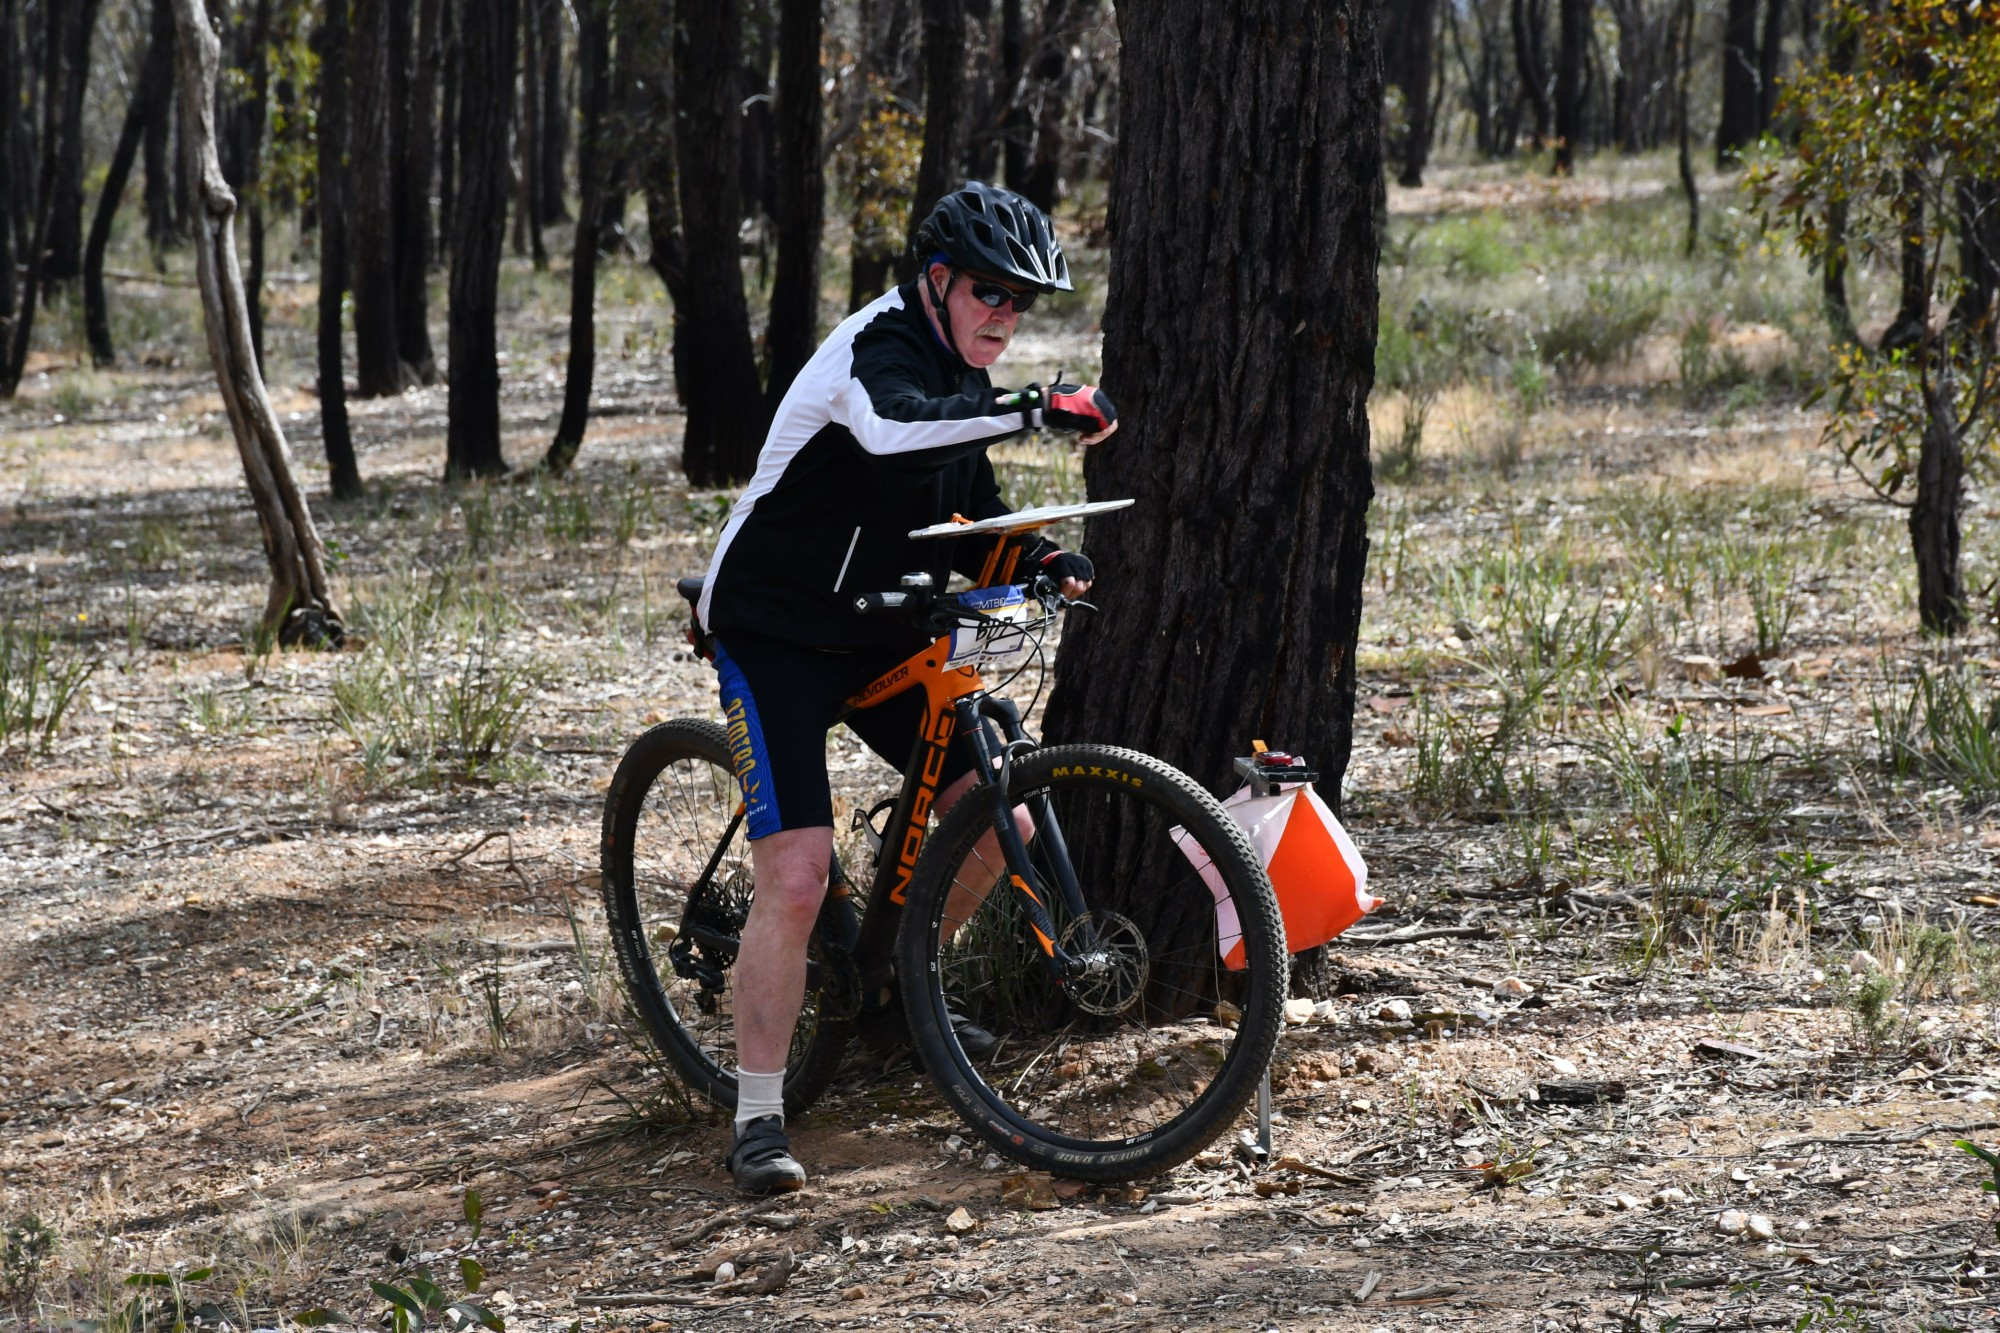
x,y
884,431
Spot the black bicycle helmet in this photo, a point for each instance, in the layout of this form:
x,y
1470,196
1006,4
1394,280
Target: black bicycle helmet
x,y
998,233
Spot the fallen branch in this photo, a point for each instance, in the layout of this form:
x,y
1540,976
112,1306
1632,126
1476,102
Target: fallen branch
x,y
1414,936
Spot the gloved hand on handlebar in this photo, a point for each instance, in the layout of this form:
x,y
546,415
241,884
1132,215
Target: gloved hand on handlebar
x,y
1083,408
1070,571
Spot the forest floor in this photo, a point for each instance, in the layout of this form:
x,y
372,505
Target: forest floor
x,y
1637,733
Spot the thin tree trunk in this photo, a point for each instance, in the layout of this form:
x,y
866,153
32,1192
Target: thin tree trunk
x,y
1408,34
258,63
944,95
528,179
1214,101
413,204
159,195
1737,127
65,242
300,606
1684,64
1978,255
1934,526
1575,35
794,325
1014,132
448,126
12,187
554,150
616,138
717,380
379,370
1043,181
1913,307
593,55
1528,21
344,473
1770,60
155,78
490,32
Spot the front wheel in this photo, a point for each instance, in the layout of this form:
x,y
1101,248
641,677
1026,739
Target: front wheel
x,y
1136,1066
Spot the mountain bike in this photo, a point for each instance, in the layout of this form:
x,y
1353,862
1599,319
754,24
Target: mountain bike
x,y
1093,907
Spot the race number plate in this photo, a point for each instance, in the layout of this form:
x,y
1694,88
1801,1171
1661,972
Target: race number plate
x,y
1002,633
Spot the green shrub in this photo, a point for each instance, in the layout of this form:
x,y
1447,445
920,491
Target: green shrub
x,y
1604,329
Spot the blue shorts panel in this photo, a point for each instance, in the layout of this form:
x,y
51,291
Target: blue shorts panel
x,y
779,700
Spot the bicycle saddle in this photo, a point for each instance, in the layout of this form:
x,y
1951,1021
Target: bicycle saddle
x,y
691,588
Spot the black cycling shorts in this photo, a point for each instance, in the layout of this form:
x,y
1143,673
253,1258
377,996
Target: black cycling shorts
x,y
779,700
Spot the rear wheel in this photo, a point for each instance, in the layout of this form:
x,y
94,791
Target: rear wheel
x,y
1136,1066
677,889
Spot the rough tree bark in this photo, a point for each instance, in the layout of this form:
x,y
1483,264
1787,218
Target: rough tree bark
x,y
593,56
1913,306
331,134
1741,102
147,104
65,240
413,202
794,325
716,373
159,192
944,96
1770,59
489,32
1683,69
1249,156
379,370
300,606
1014,131
1571,43
1047,72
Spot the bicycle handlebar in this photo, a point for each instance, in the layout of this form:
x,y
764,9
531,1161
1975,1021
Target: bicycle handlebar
x,y
947,607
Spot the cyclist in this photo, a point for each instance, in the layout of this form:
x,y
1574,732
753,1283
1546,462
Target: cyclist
x,y
884,431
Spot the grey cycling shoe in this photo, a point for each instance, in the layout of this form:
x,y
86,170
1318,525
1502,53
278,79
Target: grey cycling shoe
x,y
760,1160
974,1040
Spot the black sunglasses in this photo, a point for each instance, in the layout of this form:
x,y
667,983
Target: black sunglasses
x,y
993,294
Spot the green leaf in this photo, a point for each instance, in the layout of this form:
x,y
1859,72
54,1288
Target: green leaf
x,y
475,1211
401,1300
1987,1156
473,1274
429,1292
320,1317
150,1280
198,1275
480,1315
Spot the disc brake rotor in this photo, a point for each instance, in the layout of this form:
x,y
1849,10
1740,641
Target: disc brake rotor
x,y
1115,958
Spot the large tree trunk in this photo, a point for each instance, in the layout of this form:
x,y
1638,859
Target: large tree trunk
x,y
413,202
1249,158
65,241
1934,531
147,104
651,32
793,332
1741,102
716,373
593,55
379,369
1574,38
331,133
300,606
944,95
472,439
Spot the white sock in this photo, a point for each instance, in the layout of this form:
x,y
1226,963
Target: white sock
x,y
758,1095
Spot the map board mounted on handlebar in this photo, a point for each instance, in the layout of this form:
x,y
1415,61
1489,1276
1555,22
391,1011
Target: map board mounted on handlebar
x,y
1021,520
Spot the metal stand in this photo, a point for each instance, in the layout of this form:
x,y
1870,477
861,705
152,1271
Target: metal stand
x,y
1264,1114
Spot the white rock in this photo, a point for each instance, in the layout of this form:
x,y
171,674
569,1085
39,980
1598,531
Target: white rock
x,y
1626,1203
1978,1096
960,1222
1394,1011
1699,667
1512,988
1669,1195
1298,1011
1733,1222
1761,1227
992,1162
1323,1011
1567,1068
725,1271
954,1143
